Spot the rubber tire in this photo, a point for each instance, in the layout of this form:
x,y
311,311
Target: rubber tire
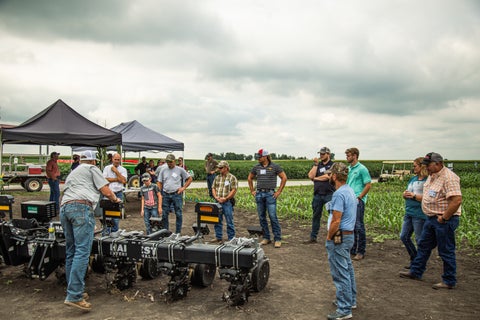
x,y
134,181
148,270
203,275
33,185
260,275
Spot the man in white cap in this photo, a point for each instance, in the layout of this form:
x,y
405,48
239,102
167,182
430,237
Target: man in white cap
x,y
266,173
83,187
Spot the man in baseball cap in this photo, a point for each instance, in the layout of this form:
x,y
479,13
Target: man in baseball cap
x,y
224,189
441,203
322,189
266,173
172,181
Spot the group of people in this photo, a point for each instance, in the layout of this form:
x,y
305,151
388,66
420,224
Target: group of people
x,y
432,209
432,202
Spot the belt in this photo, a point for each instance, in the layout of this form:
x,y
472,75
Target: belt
x,y
265,190
88,203
170,193
347,232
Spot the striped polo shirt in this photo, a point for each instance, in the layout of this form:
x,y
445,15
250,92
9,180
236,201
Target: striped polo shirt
x,y
266,176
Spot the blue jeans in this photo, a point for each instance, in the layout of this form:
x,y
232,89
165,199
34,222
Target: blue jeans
x,y
411,225
210,178
115,221
147,214
177,201
266,202
318,202
54,191
227,209
343,274
442,236
360,239
78,225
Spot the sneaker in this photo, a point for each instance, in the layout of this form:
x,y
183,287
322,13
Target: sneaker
x,y
265,242
442,285
358,257
334,302
339,316
278,244
82,304
312,240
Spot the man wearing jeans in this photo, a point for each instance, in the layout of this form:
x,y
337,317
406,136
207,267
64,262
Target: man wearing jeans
x,y
224,188
82,191
360,181
441,202
53,174
170,182
322,189
266,173
116,175
341,222
210,169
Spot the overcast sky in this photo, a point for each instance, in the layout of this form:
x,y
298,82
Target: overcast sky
x,y
397,79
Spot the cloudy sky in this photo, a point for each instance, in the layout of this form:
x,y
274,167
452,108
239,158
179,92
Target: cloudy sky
x,y
396,78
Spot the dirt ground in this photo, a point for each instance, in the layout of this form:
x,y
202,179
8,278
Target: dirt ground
x,y
299,287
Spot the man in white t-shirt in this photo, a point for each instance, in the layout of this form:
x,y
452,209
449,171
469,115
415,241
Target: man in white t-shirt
x,y
116,175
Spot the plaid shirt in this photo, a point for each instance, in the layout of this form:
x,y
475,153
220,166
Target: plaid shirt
x,y
224,184
437,189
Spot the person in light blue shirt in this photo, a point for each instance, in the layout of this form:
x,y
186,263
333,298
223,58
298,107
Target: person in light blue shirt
x,y
340,237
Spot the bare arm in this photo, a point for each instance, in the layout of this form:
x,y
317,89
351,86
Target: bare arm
x,y
185,186
454,203
283,182
365,191
105,190
250,183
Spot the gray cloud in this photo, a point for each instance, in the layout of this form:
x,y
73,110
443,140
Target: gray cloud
x,y
396,79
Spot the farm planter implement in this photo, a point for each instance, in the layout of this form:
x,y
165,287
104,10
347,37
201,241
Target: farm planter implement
x,y
185,259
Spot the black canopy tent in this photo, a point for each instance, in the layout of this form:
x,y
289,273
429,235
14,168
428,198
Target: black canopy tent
x,y
59,125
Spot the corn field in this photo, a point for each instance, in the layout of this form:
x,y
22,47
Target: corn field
x,y
384,210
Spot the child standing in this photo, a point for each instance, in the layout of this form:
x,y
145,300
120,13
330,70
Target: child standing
x,y
151,200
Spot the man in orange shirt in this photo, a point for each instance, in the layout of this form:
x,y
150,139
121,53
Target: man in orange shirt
x,y
53,175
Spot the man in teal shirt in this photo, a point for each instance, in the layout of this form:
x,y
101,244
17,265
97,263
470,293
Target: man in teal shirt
x,y
360,181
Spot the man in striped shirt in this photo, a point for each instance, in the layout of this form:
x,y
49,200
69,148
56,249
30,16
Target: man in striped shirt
x,y
441,202
266,173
